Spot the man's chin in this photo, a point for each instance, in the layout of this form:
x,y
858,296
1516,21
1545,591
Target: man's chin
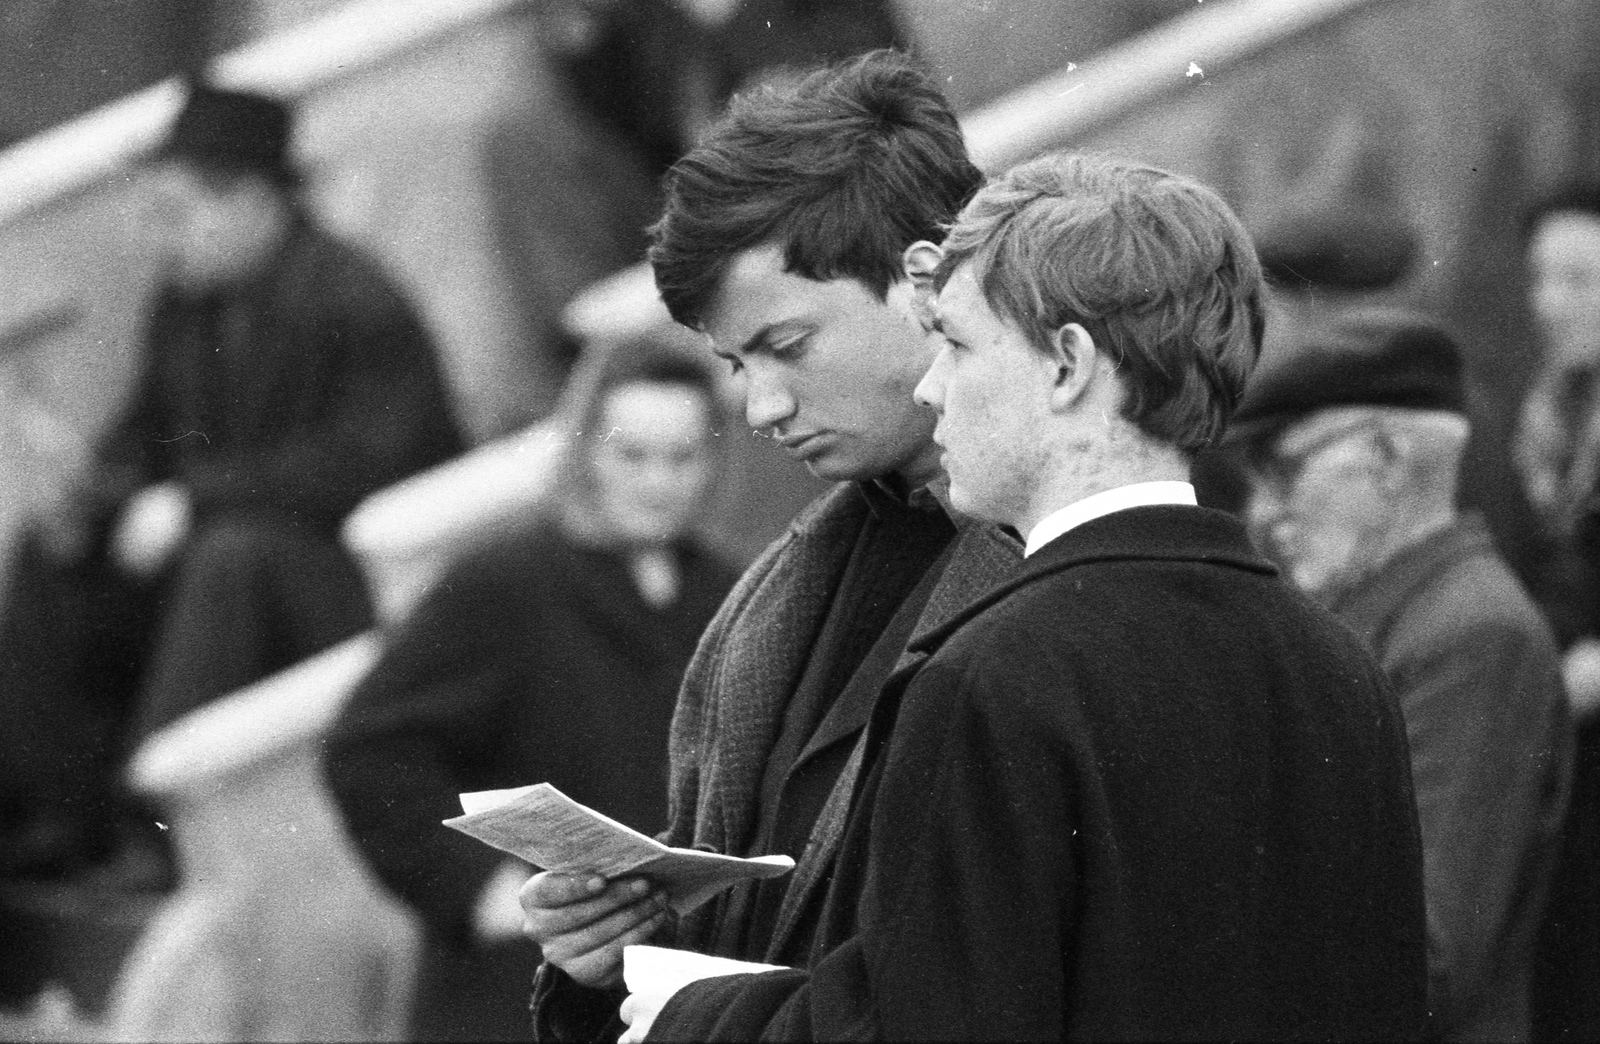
x,y
831,470
966,503
837,467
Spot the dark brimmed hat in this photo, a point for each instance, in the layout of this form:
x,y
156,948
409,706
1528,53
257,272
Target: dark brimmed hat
x,y
1374,357
231,130
1335,247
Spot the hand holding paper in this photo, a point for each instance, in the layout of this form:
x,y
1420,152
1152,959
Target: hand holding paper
x,y
550,830
582,923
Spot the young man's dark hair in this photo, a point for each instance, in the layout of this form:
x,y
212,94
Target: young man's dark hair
x,y
843,167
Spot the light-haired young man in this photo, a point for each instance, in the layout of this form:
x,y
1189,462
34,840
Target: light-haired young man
x,y
1142,790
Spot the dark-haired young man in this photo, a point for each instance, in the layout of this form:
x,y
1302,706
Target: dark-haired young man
x,y
795,236
1142,790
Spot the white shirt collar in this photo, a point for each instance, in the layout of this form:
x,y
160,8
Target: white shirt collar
x,y
1139,494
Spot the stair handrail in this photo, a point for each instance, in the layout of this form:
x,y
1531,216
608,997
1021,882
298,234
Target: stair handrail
x,y
87,150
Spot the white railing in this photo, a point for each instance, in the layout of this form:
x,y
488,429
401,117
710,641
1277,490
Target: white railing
x,y
84,151
1133,75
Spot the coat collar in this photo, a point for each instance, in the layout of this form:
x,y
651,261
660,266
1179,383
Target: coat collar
x,y
1174,533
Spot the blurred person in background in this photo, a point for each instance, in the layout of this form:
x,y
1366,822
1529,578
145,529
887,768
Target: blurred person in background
x,y
285,378
552,655
1558,447
1353,448
796,236
1321,259
1558,455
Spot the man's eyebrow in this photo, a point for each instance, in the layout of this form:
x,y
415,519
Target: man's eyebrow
x,y
762,338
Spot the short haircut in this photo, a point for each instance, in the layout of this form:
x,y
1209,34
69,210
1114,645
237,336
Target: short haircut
x,y
1580,197
1154,265
843,168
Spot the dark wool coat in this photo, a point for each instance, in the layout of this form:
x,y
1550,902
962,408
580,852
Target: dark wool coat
x,y
1478,679
295,393
1142,792
533,660
731,708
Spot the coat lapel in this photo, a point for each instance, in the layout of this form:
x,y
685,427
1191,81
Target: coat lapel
x,y
738,684
980,557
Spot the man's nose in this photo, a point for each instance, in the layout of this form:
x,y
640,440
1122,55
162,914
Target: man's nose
x,y
767,403
929,391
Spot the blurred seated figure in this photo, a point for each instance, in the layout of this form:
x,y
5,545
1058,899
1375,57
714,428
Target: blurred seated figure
x,y
1558,454
284,378
1352,447
553,654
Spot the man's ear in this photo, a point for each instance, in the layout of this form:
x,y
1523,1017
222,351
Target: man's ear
x,y
920,261
1074,355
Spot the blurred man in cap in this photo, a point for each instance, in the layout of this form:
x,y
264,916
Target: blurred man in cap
x,y
1322,258
1337,249
1352,445
284,378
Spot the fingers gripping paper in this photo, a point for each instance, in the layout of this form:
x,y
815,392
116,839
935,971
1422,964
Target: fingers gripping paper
x,y
550,830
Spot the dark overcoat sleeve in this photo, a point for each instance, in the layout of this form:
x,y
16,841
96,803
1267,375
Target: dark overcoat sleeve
x,y
132,453
1479,703
421,725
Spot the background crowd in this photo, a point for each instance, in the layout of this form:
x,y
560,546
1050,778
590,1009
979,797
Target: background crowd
x,y
204,504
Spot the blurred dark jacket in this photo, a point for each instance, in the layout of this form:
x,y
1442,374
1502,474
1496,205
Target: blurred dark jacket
x,y
533,660
1478,678
293,394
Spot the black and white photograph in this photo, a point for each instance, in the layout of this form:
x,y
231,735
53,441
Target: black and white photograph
x,y
799,520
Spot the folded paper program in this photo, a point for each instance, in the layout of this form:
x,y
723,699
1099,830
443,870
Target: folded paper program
x,y
661,971
550,830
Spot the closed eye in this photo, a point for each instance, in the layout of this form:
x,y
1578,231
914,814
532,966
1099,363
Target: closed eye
x,y
790,349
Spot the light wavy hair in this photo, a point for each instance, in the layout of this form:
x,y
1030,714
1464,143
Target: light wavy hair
x,y
1153,264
